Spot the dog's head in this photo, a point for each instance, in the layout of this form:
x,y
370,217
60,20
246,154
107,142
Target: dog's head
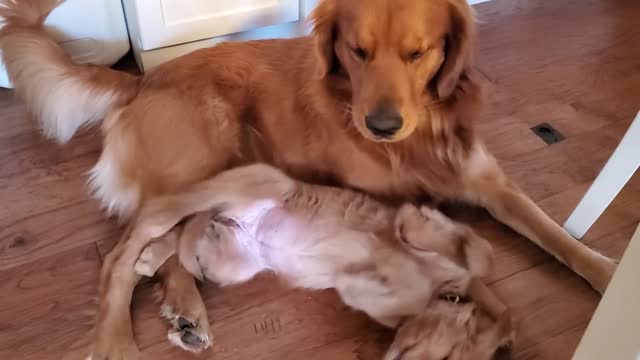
x,y
402,58
426,232
452,331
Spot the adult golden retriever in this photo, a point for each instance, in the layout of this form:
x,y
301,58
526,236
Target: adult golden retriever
x,y
380,98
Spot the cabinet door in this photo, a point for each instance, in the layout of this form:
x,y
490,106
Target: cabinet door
x,y
168,22
308,6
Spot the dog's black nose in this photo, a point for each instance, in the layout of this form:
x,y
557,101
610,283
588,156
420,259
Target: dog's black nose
x,y
384,122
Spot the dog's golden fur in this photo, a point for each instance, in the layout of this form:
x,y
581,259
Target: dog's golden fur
x,y
300,104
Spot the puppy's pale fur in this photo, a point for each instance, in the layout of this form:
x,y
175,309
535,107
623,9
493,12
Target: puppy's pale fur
x,y
388,262
451,331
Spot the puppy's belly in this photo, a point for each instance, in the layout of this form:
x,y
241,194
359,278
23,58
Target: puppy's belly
x,y
309,253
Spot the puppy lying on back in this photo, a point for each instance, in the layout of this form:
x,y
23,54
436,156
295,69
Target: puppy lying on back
x,y
396,264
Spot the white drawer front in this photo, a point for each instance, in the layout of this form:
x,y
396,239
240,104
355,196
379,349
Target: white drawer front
x,y
169,22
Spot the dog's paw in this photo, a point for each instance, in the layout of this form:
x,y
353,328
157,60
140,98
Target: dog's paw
x,y
189,333
194,337
119,348
188,319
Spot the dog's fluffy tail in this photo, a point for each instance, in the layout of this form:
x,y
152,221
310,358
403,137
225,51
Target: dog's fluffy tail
x,y
62,95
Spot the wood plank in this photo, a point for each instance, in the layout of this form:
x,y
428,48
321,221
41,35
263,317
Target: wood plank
x,y
48,209
560,167
559,347
623,211
49,305
546,301
50,233
297,323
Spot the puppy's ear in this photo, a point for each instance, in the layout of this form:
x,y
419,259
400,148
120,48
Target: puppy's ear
x,y
323,19
458,47
478,254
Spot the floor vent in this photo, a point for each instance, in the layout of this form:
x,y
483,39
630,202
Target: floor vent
x,y
547,133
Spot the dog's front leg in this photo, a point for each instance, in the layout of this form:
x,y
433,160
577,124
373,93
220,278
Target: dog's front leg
x,y
486,185
113,336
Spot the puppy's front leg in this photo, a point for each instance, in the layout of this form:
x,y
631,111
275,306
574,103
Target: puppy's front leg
x,y
156,254
487,300
487,185
501,334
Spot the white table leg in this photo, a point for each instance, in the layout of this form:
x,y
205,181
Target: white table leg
x,y
615,174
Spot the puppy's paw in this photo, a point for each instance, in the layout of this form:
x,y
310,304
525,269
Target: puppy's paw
x,y
155,254
145,265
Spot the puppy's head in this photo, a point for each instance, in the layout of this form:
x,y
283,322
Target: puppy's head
x,y
425,231
401,57
452,331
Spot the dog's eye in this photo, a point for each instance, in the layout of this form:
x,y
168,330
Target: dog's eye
x,y
453,299
416,55
360,53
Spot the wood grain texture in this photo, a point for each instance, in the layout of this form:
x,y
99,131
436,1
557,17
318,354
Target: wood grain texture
x,y
574,64
47,307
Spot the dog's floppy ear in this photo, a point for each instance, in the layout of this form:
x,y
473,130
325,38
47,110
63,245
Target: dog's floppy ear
x,y
458,47
323,19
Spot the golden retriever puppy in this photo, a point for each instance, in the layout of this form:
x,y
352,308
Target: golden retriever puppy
x,y
451,330
381,98
389,262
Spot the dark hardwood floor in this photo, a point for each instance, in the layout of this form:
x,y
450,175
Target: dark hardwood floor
x,y
572,63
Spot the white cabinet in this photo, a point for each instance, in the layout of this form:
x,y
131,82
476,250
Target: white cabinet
x,y
169,22
164,29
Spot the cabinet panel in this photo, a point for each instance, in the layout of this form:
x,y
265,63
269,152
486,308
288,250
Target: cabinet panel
x,y
168,22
